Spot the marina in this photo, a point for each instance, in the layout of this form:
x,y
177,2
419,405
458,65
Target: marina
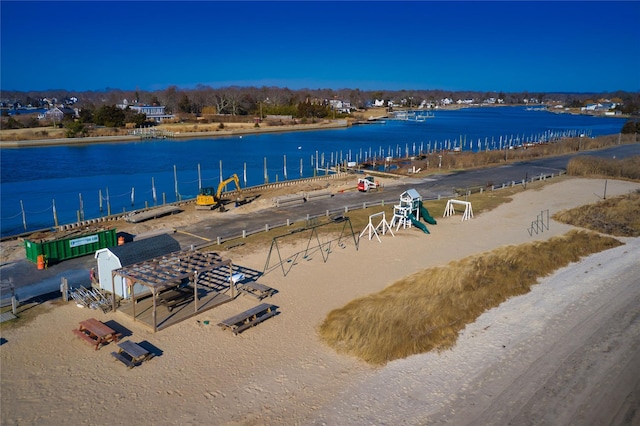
x,y
77,183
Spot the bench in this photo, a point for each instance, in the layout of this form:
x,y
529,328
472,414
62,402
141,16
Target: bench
x,y
131,354
254,316
257,290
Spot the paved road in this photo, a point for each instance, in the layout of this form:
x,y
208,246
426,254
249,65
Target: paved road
x,y
429,188
30,282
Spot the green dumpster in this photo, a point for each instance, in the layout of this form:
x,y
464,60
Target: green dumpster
x,y
57,250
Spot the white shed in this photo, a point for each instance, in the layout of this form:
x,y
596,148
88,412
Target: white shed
x,y
112,258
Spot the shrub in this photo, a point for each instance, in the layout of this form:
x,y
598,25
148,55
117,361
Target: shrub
x,y
74,129
631,126
12,123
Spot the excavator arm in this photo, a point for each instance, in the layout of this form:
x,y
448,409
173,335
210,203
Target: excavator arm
x,y
233,178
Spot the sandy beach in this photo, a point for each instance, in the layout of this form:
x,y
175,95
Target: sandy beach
x,y
568,352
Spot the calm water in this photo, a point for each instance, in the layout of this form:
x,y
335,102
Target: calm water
x,y
66,175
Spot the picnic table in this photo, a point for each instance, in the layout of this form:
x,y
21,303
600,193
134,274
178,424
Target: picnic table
x,y
131,353
176,297
96,333
249,318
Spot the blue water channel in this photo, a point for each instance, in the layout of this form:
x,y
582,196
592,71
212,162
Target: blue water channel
x,y
125,176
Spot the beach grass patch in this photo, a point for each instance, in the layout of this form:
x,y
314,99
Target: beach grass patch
x,y
619,216
427,310
591,166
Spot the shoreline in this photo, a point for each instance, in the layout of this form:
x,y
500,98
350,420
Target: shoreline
x,y
338,124
326,124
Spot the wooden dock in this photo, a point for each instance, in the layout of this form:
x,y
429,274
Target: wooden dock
x,y
152,133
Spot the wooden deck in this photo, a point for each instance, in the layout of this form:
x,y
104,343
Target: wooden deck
x,y
178,313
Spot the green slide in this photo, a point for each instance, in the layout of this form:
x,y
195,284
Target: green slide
x,y
426,216
418,224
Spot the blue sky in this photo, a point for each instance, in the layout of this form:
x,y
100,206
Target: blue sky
x,y
508,46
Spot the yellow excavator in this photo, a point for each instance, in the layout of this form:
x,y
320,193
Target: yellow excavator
x,y
209,200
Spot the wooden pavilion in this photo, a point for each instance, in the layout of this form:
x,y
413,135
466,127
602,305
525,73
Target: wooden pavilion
x,y
180,285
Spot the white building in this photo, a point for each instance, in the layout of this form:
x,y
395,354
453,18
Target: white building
x,y
153,112
112,258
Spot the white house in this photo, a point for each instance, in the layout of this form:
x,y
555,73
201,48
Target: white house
x,y
340,105
153,112
591,107
112,258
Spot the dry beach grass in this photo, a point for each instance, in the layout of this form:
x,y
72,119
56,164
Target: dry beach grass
x,y
428,310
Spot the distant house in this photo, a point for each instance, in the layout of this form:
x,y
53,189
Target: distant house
x,y
340,105
155,113
112,258
590,107
56,114
601,107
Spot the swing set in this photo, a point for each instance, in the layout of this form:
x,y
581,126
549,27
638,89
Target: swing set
x,y
383,227
314,244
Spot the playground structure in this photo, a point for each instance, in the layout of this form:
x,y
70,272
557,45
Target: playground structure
x,y
449,210
314,244
383,227
409,212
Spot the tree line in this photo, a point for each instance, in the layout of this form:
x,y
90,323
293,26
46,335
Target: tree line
x,y
256,101
104,108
